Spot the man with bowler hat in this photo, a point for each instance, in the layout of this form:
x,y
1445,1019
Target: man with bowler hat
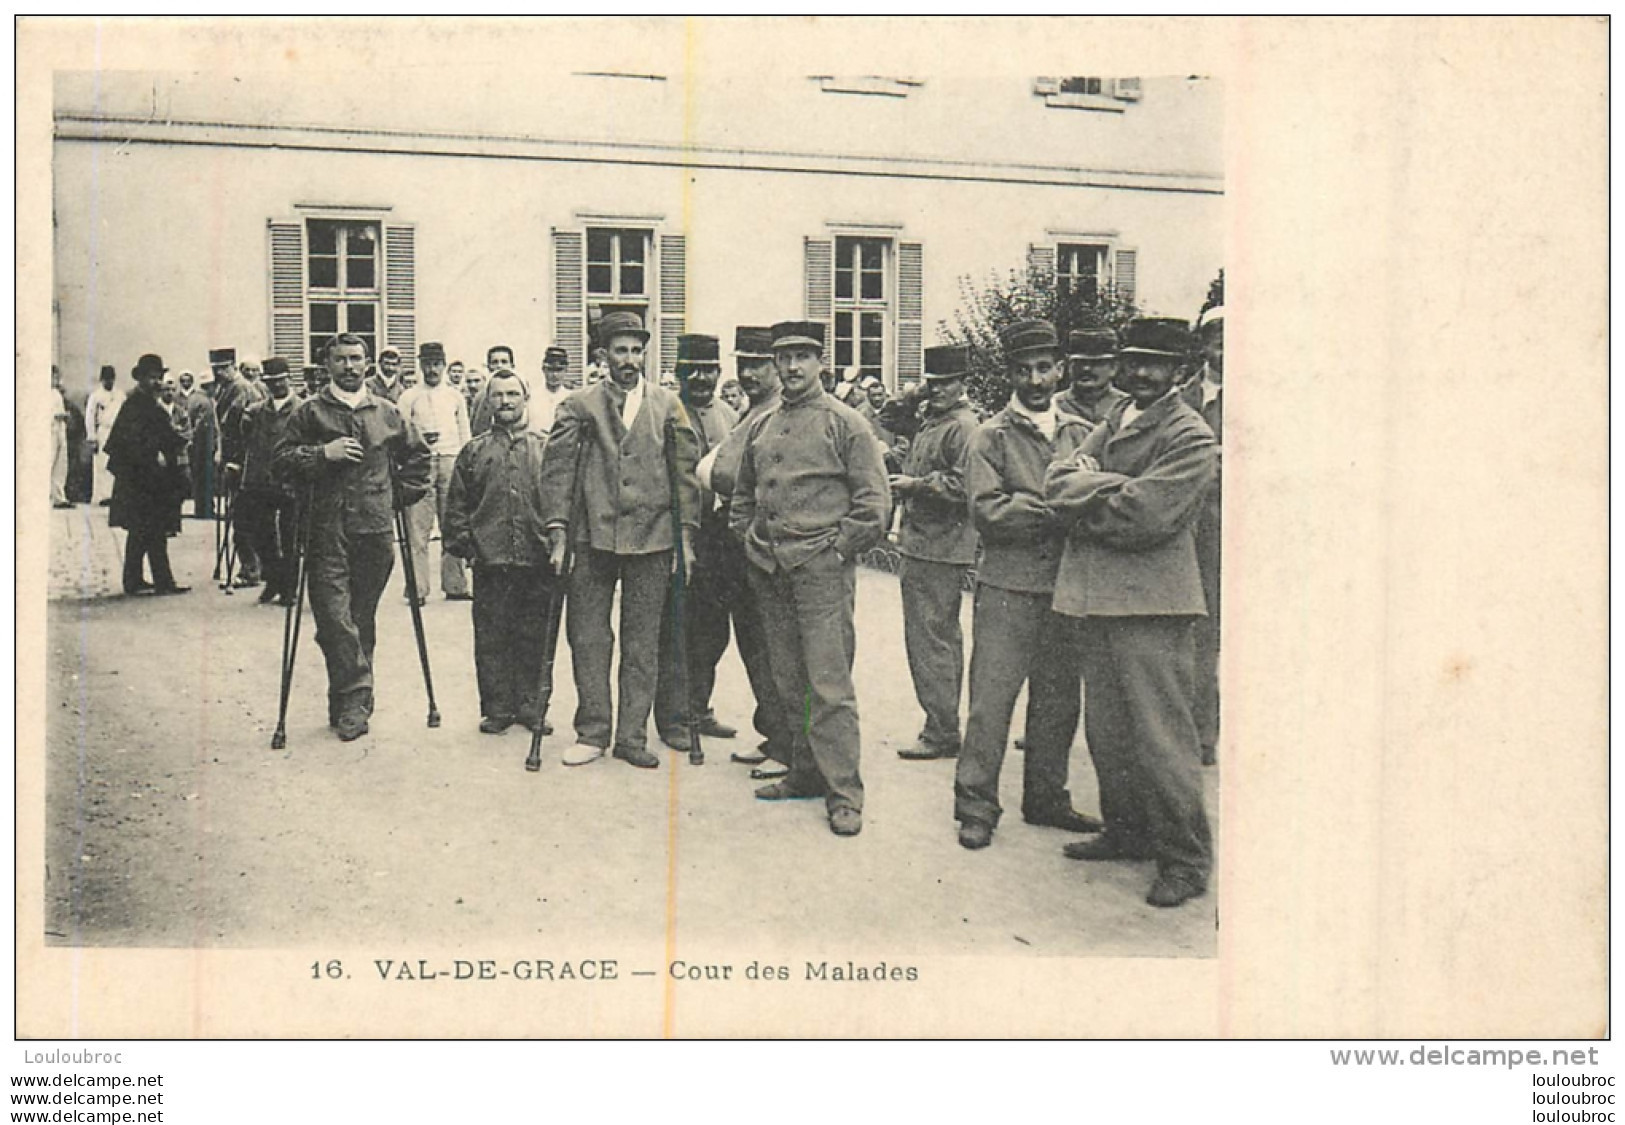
x,y
360,460
1091,365
266,504
1016,637
811,496
437,410
1130,497
938,543
618,512
144,456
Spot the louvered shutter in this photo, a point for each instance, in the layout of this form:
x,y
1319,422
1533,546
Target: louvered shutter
x,y
820,288
400,291
569,306
673,312
1126,274
1041,260
287,249
910,310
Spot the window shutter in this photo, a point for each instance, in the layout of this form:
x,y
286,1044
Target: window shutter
x,y
673,297
910,310
569,306
1125,275
1041,260
287,247
400,291
820,279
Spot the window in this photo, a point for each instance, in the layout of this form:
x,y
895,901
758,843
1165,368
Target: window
x,y
617,264
341,278
619,267
868,291
1089,264
862,305
333,273
1079,268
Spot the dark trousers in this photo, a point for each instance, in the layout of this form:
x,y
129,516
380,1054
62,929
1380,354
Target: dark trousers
x,y
807,617
267,520
1138,674
936,644
150,546
346,576
510,639
1017,639
772,719
202,468
705,625
242,521
644,581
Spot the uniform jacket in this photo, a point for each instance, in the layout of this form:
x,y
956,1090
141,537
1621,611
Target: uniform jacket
x,y
713,423
810,478
937,523
143,454
1022,538
1130,550
494,504
264,423
625,484
725,469
353,499
1093,413
231,403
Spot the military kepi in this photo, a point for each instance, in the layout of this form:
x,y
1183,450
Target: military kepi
x,y
698,351
753,342
1029,336
1157,335
275,368
621,324
555,356
798,334
1091,343
951,362
431,352
222,355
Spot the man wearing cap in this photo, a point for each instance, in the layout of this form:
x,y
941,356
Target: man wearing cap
x,y
1130,497
359,460
493,518
1091,365
438,412
705,612
1205,394
810,497
101,410
729,569
1017,638
544,402
938,544
233,396
265,504
619,515
386,381
203,457
143,454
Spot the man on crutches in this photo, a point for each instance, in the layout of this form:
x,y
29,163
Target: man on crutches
x,y
360,459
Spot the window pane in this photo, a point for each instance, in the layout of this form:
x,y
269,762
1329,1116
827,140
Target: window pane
x,y
598,279
843,340
324,273
324,319
363,274
871,254
873,325
372,344
870,355
631,279
324,237
633,246
874,285
362,318
843,282
598,245
361,241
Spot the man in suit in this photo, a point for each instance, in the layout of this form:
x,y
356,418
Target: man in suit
x,y
811,496
1091,365
619,515
1017,638
1131,496
938,545
1205,393
143,455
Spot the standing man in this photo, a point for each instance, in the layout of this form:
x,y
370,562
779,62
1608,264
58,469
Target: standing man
x,y
498,357
705,620
1091,366
544,403
619,514
1017,638
938,544
143,454
234,394
1205,394
437,411
1131,496
473,384
101,409
493,518
203,458
360,460
386,381
266,503
811,496
454,375
59,442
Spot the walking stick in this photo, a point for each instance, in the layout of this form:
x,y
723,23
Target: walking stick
x,y
291,621
217,504
231,539
412,600
555,612
696,754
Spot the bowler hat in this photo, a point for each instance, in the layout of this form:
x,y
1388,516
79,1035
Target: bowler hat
x,y
431,350
1091,343
1029,336
275,368
149,364
222,355
798,334
621,324
1157,335
753,342
952,362
555,356
698,351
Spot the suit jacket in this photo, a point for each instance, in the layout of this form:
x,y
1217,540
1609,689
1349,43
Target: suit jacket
x,y
625,486
1130,550
143,454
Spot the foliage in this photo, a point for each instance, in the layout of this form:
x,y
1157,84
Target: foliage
x,y
1215,294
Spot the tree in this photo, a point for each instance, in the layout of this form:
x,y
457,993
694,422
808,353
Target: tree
x,y
988,305
1215,295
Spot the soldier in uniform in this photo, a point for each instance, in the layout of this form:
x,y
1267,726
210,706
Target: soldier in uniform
x,y
699,363
1016,637
266,504
619,515
360,460
810,497
1130,497
1205,394
938,544
1091,365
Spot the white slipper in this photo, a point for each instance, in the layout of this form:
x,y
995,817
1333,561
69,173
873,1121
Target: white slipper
x,y
580,754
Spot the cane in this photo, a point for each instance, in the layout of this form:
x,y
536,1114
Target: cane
x,y
555,613
696,754
417,611
230,539
290,623
217,505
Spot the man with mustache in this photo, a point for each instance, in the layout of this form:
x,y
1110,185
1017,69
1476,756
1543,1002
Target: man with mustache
x,y
1091,365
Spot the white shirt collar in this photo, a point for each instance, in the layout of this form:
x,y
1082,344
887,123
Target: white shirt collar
x,y
352,399
1045,422
633,403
